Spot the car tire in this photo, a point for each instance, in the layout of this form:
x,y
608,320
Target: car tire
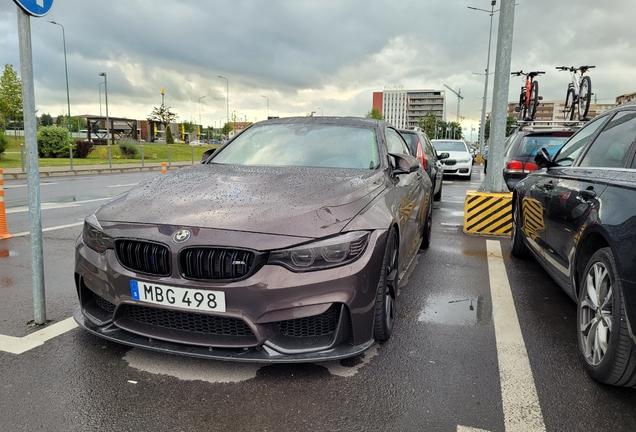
x,y
387,290
438,195
517,246
428,226
601,321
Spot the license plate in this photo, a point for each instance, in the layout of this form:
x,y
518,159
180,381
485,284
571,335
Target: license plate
x,y
187,298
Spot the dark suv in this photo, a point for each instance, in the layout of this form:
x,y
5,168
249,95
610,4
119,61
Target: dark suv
x,y
423,150
521,148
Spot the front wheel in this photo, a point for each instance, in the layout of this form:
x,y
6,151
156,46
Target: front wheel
x,y
568,108
534,100
517,246
585,96
605,347
387,290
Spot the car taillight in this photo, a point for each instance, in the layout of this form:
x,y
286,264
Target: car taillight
x,y
419,154
520,167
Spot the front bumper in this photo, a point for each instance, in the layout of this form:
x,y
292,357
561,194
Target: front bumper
x,y
281,316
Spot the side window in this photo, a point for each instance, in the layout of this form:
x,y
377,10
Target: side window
x,y
395,142
611,147
429,150
570,151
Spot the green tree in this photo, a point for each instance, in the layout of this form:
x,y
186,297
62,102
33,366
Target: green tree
x,y
428,124
11,97
46,120
77,123
3,143
226,129
164,116
510,121
169,137
189,128
374,114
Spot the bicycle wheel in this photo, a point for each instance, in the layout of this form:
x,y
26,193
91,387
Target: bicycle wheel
x,y
534,100
585,96
521,115
568,108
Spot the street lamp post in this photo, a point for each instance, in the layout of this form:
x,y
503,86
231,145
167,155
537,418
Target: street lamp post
x,y
267,107
321,112
99,89
68,98
227,96
200,109
106,100
483,107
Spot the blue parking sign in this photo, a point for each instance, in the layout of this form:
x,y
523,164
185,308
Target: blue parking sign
x,y
36,8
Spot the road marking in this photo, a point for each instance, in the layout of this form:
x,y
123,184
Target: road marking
x,y
15,345
25,185
469,429
123,185
521,408
51,206
26,233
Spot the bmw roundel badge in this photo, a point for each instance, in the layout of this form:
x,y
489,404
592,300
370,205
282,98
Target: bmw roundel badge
x,y
181,236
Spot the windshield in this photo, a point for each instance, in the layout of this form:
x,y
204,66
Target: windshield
x,y
314,145
446,146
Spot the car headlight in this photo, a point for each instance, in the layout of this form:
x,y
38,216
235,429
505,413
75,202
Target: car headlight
x,y
94,237
464,160
323,254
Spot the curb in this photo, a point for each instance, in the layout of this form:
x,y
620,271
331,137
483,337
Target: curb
x,y
488,213
16,173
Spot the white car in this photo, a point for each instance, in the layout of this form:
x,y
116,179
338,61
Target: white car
x,y
197,143
460,160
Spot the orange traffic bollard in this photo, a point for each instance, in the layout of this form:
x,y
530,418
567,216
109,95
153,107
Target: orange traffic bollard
x,y
4,231
163,168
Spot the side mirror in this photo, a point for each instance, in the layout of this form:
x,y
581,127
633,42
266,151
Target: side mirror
x,y
406,164
206,155
444,155
543,158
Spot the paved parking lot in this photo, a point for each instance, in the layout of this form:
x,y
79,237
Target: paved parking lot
x,y
483,342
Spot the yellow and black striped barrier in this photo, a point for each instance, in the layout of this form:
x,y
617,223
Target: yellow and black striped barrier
x,y
488,213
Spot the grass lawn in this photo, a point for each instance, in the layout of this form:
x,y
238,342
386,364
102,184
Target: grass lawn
x,y
99,156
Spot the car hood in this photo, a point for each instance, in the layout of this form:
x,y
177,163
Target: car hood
x,y
296,201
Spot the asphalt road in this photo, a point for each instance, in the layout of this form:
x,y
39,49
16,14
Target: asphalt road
x,y
454,363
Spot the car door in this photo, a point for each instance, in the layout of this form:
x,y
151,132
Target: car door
x,y
436,165
576,199
412,203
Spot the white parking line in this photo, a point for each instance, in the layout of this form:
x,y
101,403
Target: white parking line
x,y
26,233
15,345
50,206
522,411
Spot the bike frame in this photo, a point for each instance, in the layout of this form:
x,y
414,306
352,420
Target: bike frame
x,y
576,82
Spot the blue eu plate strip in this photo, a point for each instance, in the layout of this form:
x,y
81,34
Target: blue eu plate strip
x,y
134,289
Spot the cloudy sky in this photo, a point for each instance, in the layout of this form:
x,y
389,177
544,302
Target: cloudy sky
x,y
304,56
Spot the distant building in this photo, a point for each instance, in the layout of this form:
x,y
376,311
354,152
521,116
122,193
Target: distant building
x,y
625,98
404,108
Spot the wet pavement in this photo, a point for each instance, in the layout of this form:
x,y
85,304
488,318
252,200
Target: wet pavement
x,y
438,372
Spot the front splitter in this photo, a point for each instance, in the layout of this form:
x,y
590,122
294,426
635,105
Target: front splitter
x,y
248,355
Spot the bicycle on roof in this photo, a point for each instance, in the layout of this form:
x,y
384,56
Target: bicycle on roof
x,y
529,97
579,92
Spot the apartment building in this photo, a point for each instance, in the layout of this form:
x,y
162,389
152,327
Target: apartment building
x,y
403,108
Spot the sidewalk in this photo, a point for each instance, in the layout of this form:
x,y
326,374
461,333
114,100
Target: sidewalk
x,y
58,171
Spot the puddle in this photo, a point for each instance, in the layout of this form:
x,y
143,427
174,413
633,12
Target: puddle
x,y
454,310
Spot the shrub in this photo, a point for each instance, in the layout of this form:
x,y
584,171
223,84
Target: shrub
x,y
82,148
3,143
169,137
129,149
53,142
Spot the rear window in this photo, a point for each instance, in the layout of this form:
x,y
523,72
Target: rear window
x,y
446,146
411,139
532,143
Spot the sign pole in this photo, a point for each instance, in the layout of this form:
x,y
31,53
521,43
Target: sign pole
x,y
33,180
